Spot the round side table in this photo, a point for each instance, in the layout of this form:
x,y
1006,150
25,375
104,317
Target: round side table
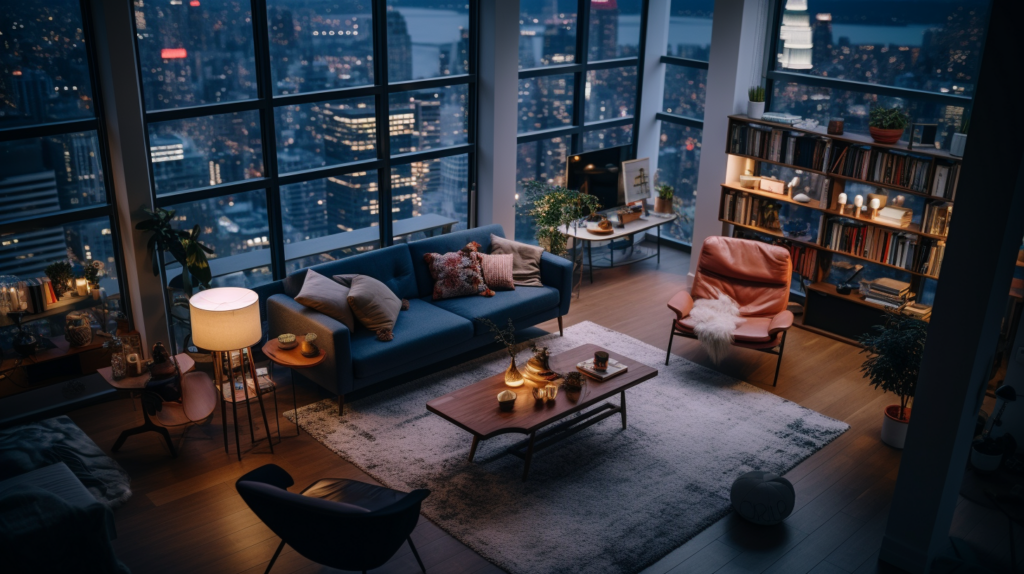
x,y
292,359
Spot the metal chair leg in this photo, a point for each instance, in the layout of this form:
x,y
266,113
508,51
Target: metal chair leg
x,y
782,347
671,336
416,554
274,559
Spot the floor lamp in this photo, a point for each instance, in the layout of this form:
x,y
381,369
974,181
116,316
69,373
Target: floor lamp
x,y
226,321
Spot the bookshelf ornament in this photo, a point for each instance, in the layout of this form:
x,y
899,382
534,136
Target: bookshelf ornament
x,y
858,204
874,205
842,203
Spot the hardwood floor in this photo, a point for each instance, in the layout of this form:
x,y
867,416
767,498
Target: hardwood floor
x,y
185,515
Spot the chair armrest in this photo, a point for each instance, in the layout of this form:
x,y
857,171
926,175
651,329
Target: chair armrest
x,y
780,322
681,304
269,474
556,272
285,315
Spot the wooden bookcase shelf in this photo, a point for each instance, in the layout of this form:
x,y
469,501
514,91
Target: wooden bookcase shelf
x,y
827,298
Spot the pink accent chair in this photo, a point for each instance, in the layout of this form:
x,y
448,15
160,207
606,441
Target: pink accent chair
x,y
756,275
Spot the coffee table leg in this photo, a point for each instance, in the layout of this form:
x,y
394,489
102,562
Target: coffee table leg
x,y
529,456
622,405
472,449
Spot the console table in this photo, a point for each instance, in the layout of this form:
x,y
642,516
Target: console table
x,y
586,239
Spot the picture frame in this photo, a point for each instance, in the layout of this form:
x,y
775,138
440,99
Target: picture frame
x,y
636,179
926,134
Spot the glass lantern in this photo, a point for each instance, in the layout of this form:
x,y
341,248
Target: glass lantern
x,y
118,359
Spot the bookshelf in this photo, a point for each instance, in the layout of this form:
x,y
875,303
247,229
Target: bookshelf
x,y
828,239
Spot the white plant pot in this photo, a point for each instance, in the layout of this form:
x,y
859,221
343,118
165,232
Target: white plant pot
x,y
894,431
985,462
755,110
956,148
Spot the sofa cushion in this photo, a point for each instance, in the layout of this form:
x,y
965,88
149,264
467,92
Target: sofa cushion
x,y
373,303
525,260
519,304
497,270
422,330
391,266
327,296
457,274
445,244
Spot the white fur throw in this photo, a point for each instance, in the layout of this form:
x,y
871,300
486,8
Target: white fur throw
x,y
714,321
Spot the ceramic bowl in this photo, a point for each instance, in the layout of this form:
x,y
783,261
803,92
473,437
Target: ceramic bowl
x,y
287,341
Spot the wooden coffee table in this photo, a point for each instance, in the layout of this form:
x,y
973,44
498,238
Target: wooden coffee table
x,y
475,408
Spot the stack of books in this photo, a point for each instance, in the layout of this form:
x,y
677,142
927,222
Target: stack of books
x,y
886,167
893,215
614,369
936,218
784,146
888,292
946,178
918,311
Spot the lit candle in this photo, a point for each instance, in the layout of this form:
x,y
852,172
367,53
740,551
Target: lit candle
x,y
82,286
15,299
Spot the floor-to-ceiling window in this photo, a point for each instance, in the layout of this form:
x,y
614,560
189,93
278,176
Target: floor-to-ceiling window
x,y
55,198
579,63
682,113
295,132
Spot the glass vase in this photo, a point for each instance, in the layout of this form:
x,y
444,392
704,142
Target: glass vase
x,y
513,377
118,361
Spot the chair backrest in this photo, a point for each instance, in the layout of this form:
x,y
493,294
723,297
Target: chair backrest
x,y
198,395
334,534
756,275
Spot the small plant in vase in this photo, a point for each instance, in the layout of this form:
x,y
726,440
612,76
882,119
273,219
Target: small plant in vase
x,y
663,203
894,360
956,147
755,103
887,124
507,337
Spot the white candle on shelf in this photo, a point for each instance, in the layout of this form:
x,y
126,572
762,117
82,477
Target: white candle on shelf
x,y
82,286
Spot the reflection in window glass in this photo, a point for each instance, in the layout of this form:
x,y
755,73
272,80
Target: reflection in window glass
x,y
678,163
204,151
685,89
320,45
44,70
293,265
325,133
547,33
48,174
322,207
247,279
607,137
820,103
194,53
427,42
689,29
931,45
542,161
429,119
614,29
230,225
439,187
610,94
545,102
26,254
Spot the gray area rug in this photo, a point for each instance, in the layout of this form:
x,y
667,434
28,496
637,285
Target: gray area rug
x,y
606,499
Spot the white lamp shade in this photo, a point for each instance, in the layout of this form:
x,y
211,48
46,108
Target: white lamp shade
x,y
225,319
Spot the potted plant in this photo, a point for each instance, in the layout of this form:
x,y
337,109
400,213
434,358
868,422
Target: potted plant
x,y
987,452
887,124
894,359
183,246
554,208
956,147
62,277
663,203
755,105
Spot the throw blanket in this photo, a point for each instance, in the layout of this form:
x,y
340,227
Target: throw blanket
x,y
714,322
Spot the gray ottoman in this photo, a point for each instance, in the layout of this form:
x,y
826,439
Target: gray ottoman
x,y
762,497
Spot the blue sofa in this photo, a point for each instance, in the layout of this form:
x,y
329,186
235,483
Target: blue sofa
x,y
429,331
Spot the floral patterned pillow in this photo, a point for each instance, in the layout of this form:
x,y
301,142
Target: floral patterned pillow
x,y
457,274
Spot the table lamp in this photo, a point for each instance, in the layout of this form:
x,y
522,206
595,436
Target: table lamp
x,y
227,320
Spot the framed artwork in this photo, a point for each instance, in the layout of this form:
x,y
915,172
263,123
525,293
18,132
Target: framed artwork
x,y
636,179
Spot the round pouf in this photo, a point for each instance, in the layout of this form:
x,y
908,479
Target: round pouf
x,y
762,497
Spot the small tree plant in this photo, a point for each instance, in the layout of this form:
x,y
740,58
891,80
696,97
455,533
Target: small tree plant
x,y
894,356
183,246
665,191
555,207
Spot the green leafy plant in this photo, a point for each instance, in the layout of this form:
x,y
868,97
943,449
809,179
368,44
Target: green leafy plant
x,y
665,191
554,208
93,271
183,246
965,123
61,275
756,94
889,118
894,355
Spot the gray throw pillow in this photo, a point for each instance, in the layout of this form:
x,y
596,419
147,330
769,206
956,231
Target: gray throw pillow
x,y
327,296
525,260
374,304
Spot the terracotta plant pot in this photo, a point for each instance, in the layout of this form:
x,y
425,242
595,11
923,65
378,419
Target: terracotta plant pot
x,y
662,205
894,429
885,136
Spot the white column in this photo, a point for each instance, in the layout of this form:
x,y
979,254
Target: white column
x,y
737,48
122,105
649,127
498,87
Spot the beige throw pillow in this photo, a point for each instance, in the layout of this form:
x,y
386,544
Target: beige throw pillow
x,y
373,303
497,270
525,260
328,297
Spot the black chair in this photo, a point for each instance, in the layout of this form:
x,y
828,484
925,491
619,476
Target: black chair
x,y
336,522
